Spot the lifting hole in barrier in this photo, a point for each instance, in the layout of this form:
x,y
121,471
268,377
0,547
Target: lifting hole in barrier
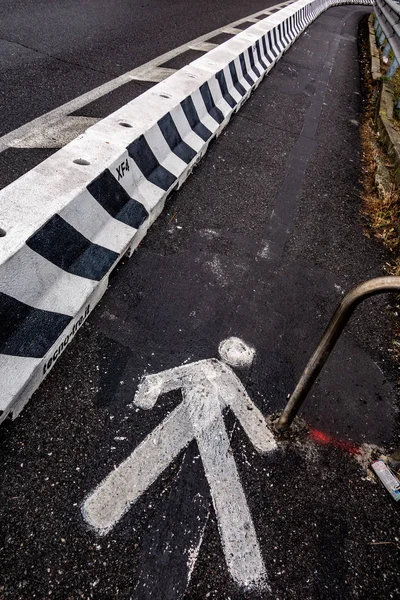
x,y
2,232
165,95
81,161
125,124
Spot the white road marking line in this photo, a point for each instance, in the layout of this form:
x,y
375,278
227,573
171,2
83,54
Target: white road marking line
x,y
156,74
208,386
49,120
55,135
203,46
231,30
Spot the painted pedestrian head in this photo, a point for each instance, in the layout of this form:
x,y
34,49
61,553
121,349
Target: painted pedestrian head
x,y
235,352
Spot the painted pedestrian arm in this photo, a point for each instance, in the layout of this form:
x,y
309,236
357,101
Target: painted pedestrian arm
x,y
232,393
153,386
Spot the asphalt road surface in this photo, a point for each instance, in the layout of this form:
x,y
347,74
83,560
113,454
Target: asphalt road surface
x,y
260,244
53,51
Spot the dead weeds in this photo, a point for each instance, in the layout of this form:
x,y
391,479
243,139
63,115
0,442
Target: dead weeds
x,y
381,208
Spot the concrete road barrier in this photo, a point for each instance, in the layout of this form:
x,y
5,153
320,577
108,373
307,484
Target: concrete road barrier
x,y
66,223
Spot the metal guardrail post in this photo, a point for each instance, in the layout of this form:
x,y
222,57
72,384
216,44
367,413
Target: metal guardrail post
x,y
392,69
332,333
387,24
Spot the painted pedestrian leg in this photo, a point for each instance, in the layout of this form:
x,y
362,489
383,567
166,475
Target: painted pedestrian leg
x,y
238,536
208,386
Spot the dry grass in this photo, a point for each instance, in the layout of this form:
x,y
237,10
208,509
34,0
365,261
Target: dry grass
x,y
396,83
384,215
393,268
383,212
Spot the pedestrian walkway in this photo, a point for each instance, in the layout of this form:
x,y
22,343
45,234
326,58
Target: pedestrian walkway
x,y
260,244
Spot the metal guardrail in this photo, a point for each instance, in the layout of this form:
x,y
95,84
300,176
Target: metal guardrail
x,y
379,285
387,26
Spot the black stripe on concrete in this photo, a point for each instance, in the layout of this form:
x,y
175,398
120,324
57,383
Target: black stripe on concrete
x,y
276,38
278,35
192,116
61,244
143,156
266,51
116,201
294,24
224,89
271,45
247,77
27,331
174,140
252,63
298,22
292,27
288,31
235,79
300,19
259,54
285,36
213,110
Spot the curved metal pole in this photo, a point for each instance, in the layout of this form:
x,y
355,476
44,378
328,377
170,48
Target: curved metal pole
x,y
332,333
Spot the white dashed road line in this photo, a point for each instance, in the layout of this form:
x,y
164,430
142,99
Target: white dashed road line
x,y
56,128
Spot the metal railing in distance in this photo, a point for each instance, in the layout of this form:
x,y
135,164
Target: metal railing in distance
x,y
332,333
387,27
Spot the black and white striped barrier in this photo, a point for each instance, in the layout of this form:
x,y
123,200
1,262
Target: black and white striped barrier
x,y
68,221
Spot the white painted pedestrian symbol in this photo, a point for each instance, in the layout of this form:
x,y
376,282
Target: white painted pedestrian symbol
x,y
208,386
